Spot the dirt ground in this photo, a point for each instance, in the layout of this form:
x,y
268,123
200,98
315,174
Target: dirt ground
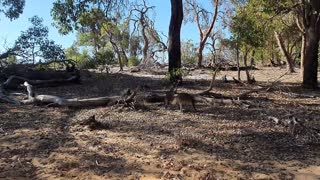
x,y
217,142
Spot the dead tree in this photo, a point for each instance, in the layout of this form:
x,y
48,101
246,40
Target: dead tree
x,y
141,18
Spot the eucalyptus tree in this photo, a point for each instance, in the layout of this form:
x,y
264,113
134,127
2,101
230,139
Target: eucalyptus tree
x,y
205,21
89,30
188,50
100,16
118,36
134,45
141,22
34,43
143,26
247,33
307,18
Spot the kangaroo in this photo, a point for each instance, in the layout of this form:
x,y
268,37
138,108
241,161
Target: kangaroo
x,y
180,99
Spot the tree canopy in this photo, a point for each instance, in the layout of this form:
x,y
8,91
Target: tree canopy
x,y
34,43
12,8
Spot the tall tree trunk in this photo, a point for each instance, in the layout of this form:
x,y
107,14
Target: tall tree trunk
x,y
310,61
272,54
252,58
200,54
204,35
33,55
145,43
119,60
116,49
174,49
284,51
125,57
303,54
238,62
245,60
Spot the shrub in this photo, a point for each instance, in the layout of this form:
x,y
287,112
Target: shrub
x,y
133,61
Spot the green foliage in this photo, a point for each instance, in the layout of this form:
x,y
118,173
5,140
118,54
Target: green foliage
x,y
188,52
255,22
83,59
11,59
246,29
88,64
41,67
12,8
73,53
50,50
105,56
34,43
178,72
135,46
67,13
133,61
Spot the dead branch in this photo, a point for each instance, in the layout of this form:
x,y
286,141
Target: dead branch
x,y
239,81
261,88
297,128
245,94
211,83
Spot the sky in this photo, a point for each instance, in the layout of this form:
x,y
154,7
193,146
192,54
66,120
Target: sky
x,y
10,30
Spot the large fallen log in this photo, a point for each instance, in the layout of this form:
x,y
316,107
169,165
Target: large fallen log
x,y
56,100
32,72
60,101
13,82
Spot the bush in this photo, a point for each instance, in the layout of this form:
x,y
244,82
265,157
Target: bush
x,y
133,61
87,64
176,73
104,57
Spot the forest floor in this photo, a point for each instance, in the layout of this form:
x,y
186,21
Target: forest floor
x,y
217,142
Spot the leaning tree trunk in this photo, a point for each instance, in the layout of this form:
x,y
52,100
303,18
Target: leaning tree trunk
x,y
204,35
200,54
238,63
174,49
303,53
125,57
116,49
252,63
145,44
285,53
273,56
245,60
310,61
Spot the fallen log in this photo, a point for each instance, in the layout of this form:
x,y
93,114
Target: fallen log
x,y
7,99
13,82
60,101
